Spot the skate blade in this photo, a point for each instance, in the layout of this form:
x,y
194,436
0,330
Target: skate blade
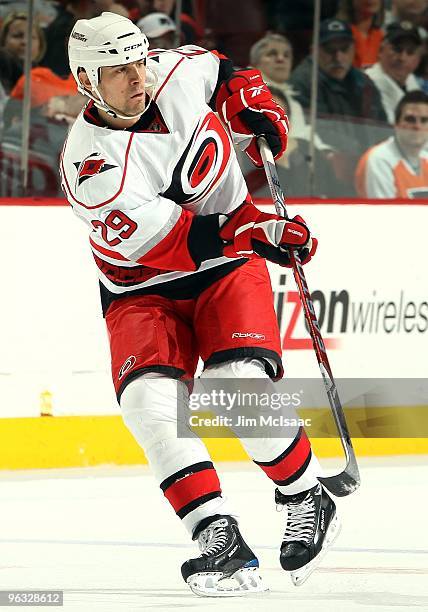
x,y
299,576
245,581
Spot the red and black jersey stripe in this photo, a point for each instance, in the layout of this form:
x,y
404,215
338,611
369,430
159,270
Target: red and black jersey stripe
x,y
184,288
191,487
292,463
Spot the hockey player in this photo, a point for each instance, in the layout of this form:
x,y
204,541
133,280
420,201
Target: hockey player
x,y
181,251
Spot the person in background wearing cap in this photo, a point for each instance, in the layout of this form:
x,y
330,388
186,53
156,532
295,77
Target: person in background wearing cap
x,y
345,93
160,30
366,19
398,167
409,10
399,56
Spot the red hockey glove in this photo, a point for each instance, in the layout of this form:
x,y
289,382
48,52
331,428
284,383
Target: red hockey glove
x,y
246,107
247,232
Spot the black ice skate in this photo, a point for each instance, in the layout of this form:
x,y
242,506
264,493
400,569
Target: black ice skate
x,y
227,566
312,526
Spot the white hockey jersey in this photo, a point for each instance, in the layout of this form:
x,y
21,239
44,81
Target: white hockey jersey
x,y
138,189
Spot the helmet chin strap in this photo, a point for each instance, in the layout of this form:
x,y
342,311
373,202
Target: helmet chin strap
x,y
114,112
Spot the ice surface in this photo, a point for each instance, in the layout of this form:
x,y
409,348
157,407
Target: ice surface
x,y
109,539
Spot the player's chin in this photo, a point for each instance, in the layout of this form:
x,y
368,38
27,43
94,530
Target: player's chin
x,y
135,107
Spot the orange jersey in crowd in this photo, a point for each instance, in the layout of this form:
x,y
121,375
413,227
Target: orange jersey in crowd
x,y
366,46
383,172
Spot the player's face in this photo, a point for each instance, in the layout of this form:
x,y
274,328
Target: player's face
x,y
123,87
400,59
276,60
412,127
336,57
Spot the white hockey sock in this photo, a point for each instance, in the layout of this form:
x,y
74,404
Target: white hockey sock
x,y
182,465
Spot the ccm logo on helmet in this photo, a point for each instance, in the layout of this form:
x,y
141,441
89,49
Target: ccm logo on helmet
x,y
252,335
133,47
78,36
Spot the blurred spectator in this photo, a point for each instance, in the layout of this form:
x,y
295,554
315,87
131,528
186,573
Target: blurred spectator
x,y
293,167
398,167
399,55
45,10
54,105
209,40
366,19
12,53
190,31
46,140
409,10
159,29
273,56
238,25
101,6
45,84
348,104
58,32
138,8
13,36
422,70
296,20
3,101
10,70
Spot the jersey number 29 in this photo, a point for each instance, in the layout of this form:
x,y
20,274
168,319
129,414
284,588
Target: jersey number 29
x,y
118,221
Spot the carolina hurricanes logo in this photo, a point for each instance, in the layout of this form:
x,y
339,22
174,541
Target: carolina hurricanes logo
x,y
92,165
127,365
202,164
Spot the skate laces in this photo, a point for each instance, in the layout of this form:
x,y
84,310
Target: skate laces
x,y
214,538
300,520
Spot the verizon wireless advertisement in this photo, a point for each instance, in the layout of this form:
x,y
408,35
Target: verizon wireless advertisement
x,y
370,293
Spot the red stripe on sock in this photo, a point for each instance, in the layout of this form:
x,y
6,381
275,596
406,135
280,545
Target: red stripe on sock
x,y
189,488
291,462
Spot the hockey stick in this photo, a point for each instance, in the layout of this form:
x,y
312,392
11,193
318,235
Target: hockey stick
x,y
347,481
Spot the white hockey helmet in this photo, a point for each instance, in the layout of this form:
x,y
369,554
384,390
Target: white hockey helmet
x,y
107,40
